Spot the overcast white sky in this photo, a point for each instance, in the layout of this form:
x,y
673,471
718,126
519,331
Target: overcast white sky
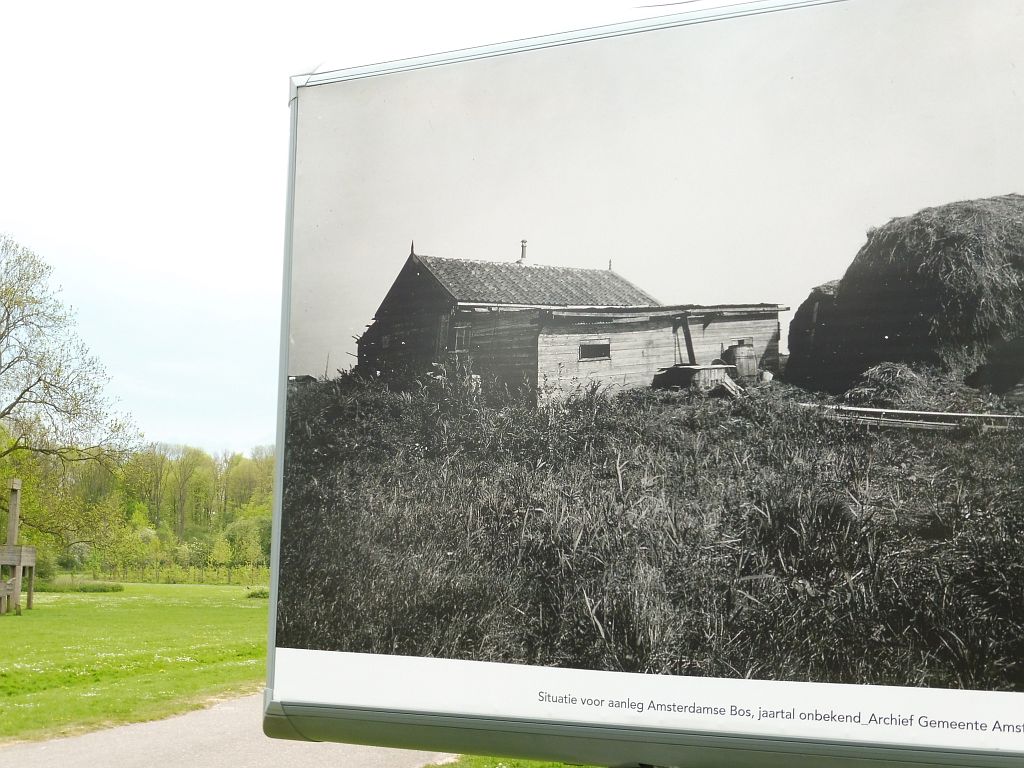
x,y
143,154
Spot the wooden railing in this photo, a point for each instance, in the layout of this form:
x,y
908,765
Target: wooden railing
x,y
938,420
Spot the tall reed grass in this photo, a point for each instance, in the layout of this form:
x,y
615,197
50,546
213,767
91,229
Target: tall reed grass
x,y
649,532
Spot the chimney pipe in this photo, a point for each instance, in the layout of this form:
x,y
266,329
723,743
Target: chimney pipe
x,y
522,257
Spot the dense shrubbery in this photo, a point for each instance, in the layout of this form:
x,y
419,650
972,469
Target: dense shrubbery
x,y
72,584
649,532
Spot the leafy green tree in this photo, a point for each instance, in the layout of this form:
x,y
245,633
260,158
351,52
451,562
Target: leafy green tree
x,y
183,555
248,551
145,478
199,553
150,548
52,398
129,549
220,552
192,472
248,479
202,493
246,539
60,508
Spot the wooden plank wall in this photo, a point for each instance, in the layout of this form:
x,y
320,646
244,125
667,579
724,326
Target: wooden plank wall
x,y
712,336
20,555
637,354
412,340
640,350
503,343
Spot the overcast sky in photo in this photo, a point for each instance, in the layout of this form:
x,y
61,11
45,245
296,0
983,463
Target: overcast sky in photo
x,y
143,154
737,161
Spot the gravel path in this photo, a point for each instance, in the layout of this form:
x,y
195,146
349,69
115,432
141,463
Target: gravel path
x,y
225,735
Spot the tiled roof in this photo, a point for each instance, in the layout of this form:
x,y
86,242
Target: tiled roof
x,y
497,282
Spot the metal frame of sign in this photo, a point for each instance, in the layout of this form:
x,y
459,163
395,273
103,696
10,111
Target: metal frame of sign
x,y
434,704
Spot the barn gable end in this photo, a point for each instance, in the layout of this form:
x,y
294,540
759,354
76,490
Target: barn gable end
x,y
410,329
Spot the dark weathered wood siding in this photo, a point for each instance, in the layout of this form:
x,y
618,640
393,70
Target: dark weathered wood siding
x,y
503,343
410,329
402,341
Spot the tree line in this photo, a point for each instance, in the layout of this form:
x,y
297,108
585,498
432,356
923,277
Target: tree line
x,y
95,495
161,511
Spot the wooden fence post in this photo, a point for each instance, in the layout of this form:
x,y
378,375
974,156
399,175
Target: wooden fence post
x,y
13,518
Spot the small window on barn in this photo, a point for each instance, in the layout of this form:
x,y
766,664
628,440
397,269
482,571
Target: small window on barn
x,y
385,341
746,341
463,335
596,350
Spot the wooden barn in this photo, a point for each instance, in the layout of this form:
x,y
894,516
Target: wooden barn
x,y
552,327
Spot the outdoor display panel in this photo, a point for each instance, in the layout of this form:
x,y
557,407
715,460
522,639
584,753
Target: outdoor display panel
x,y
651,394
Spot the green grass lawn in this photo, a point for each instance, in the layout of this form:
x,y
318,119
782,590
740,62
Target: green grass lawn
x,y
79,661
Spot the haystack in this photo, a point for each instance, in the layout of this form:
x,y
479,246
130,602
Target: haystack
x,y
808,337
943,288
897,385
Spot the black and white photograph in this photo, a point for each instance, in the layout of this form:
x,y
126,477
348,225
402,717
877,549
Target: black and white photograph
x,y
697,351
